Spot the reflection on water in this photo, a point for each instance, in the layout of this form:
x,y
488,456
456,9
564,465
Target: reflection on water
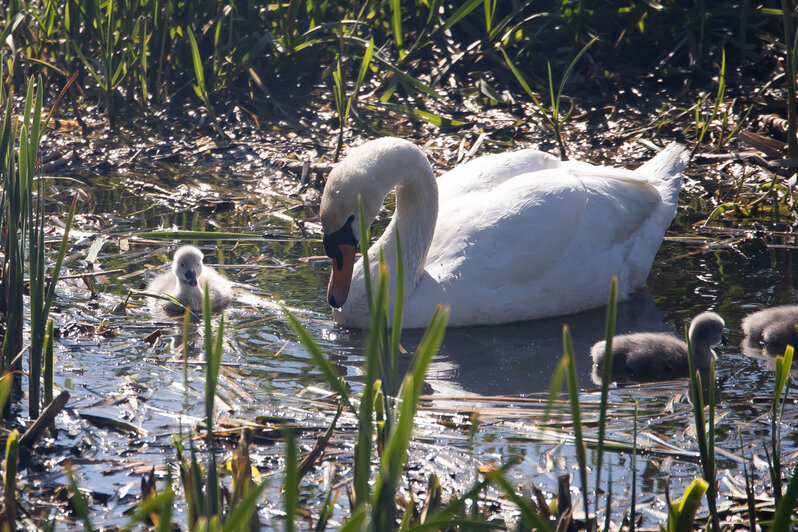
x,y
520,358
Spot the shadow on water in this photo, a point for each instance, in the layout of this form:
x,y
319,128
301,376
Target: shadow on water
x,y
520,358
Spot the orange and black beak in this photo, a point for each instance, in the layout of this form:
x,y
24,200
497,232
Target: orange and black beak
x,y
341,275
341,247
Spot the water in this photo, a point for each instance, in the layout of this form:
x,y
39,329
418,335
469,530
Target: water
x,y
120,376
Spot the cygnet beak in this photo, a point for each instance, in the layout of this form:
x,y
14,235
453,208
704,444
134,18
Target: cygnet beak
x,y
191,278
724,340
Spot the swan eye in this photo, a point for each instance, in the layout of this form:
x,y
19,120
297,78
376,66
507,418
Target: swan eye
x,y
181,264
344,235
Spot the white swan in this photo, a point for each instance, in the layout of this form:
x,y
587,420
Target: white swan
x,y
516,236
659,356
186,282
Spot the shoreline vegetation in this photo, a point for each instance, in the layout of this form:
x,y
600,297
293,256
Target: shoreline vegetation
x,y
482,74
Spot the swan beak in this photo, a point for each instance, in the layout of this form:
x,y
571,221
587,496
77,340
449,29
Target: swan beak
x,y
191,278
341,275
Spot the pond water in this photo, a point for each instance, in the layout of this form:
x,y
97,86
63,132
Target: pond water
x,y
119,375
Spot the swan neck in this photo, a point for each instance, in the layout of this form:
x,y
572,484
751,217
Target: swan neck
x,y
414,220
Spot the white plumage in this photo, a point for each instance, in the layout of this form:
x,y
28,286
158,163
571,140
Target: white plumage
x,y
515,236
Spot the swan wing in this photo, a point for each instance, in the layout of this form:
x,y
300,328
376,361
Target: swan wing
x,y
539,244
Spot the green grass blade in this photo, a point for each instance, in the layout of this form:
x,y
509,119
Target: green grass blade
x,y
555,387
359,521
396,26
291,496
522,80
10,479
633,509
365,242
529,514
332,377
749,489
213,360
59,261
573,393
571,66
783,518
199,71
606,376
398,316
79,503
687,507
365,416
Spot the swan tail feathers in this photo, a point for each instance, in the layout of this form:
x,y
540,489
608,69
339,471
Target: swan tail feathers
x,y
668,163
666,167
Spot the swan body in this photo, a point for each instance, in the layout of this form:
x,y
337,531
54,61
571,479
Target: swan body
x,y
515,236
186,282
773,327
658,356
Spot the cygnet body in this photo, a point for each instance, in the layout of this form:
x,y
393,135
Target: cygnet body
x,y
773,327
658,356
186,282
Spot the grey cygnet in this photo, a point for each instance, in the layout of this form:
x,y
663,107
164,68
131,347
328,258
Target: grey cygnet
x,y
659,356
773,327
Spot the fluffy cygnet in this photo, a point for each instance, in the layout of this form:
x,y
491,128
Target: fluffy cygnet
x,y
658,356
773,327
186,282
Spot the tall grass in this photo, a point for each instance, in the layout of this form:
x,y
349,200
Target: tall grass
x,y
555,117
262,52
781,389
23,223
705,429
374,500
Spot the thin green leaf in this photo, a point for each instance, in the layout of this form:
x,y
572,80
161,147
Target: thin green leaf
x,y
333,379
291,496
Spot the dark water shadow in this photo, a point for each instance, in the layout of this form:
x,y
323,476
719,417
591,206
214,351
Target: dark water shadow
x,y
520,358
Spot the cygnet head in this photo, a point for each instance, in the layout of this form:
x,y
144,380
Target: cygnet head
x,y
706,331
187,265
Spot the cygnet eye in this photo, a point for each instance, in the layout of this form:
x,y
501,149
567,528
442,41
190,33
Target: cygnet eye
x,y
181,264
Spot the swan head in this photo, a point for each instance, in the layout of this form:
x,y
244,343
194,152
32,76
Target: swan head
x,y
187,265
706,331
368,173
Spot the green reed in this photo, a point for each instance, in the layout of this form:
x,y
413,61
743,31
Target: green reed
x,y
791,69
23,222
569,359
78,501
556,118
705,429
781,389
749,484
681,514
374,504
606,378
343,103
